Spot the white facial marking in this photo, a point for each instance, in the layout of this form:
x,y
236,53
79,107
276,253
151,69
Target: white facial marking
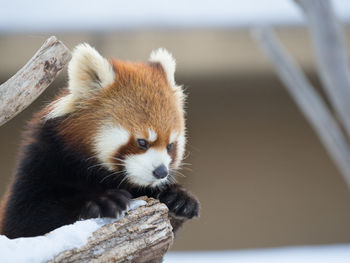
x,y
152,135
181,141
173,137
107,141
140,167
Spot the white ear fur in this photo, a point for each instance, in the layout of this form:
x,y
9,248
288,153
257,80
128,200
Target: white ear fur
x,y
88,71
167,61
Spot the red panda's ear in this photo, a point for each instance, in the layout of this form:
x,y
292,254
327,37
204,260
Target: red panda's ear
x,y
88,72
167,61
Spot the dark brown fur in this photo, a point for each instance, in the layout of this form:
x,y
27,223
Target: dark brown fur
x,y
58,180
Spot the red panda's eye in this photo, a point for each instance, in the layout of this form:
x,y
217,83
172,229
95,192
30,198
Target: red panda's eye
x,y
143,144
170,147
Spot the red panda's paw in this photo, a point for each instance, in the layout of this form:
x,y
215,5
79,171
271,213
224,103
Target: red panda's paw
x,y
110,204
180,202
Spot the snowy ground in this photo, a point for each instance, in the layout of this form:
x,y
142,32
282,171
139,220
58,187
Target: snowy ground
x,y
43,248
305,254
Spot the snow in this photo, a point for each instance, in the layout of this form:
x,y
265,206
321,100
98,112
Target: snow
x,y
99,251
303,254
43,248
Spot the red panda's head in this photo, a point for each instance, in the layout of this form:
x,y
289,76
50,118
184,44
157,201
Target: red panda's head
x,y
129,116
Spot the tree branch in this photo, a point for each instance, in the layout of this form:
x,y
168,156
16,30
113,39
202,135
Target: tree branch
x,y
308,100
143,235
29,82
332,60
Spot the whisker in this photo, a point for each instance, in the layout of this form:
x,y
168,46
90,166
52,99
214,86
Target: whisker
x,y
125,178
187,155
193,147
177,173
91,157
107,176
185,164
99,164
102,165
95,165
118,159
185,168
171,178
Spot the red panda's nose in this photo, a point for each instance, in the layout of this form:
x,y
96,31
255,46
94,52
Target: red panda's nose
x,y
160,172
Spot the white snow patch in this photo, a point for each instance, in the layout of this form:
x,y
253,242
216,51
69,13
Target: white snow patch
x,y
136,203
99,251
43,248
339,253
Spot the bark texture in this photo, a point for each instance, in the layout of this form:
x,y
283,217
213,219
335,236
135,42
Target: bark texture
x,y
143,235
29,82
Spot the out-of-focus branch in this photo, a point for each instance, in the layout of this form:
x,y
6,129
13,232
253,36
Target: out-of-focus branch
x,y
332,60
308,100
29,82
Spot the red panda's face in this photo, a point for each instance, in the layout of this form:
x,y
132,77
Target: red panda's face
x,y
128,115
145,159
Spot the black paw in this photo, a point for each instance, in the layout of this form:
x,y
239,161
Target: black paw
x,y
180,202
110,204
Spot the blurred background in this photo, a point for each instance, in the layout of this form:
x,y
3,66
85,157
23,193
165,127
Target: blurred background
x,y
260,172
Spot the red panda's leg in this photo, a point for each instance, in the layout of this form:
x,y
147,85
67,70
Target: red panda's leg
x,y
179,201
110,204
32,215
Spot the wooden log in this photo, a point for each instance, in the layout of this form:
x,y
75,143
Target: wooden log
x,y
332,60
29,82
309,101
143,235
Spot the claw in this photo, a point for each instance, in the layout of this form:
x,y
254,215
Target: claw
x,y
112,203
180,202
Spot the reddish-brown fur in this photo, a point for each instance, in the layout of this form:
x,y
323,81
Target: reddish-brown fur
x,y
139,99
58,182
3,207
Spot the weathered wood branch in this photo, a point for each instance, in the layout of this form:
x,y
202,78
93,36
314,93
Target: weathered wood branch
x,y
29,82
308,100
332,60
143,235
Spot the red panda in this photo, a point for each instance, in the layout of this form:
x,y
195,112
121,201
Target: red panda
x,y
116,132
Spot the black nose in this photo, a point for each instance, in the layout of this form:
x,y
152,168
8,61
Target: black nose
x,y
160,172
